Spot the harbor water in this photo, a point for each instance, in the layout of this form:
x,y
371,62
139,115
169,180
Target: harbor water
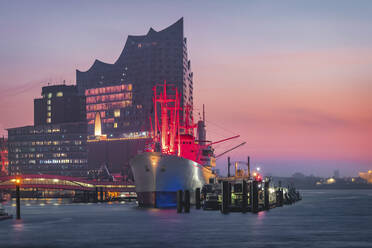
x,y
328,218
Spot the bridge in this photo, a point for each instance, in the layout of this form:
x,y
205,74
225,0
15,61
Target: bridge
x,y
56,182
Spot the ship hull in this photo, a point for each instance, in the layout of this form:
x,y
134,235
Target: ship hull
x,y
159,176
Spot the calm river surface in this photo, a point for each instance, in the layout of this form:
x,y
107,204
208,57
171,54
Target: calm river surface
x,y
329,218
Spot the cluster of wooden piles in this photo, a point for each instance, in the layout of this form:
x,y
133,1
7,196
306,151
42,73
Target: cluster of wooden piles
x,y
238,195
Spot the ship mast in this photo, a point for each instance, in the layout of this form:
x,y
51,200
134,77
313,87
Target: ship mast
x,y
173,131
178,125
167,132
164,120
155,134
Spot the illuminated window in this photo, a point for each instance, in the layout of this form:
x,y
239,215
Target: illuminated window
x,y
115,125
49,120
49,108
117,112
139,45
50,95
48,102
49,114
59,94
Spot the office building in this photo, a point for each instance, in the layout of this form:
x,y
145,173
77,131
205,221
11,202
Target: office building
x,y
48,149
59,104
57,142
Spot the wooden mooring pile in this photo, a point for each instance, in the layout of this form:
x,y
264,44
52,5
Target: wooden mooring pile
x,y
242,192
237,195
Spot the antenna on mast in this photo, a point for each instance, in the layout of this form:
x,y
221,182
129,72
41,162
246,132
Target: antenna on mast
x,y
203,114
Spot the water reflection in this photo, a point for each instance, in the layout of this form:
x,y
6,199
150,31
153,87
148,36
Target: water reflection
x,y
18,226
261,214
314,222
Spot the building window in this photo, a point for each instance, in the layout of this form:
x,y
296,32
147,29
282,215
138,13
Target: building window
x,y
48,102
117,112
50,95
49,120
59,94
115,125
49,114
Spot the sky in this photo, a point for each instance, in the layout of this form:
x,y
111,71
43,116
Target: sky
x,y
293,78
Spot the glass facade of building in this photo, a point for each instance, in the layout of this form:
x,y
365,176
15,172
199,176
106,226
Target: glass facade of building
x,y
110,103
48,149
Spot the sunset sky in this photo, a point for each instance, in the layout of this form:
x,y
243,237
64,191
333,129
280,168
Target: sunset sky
x,y
293,78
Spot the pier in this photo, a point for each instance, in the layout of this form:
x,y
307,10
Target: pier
x,y
242,192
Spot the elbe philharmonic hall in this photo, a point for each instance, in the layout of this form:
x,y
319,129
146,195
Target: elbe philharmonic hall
x,y
103,120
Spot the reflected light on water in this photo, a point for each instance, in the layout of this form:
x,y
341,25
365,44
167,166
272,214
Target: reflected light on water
x,y
164,213
18,226
260,217
261,214
154,210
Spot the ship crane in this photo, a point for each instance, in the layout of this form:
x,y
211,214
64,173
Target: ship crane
x,y
231,149
219,141
233,137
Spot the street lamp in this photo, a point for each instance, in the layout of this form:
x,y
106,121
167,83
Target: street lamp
x,y
18,198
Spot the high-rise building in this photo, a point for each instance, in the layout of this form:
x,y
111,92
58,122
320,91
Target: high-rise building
x,y
59,104
57,143
48,149
121,93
